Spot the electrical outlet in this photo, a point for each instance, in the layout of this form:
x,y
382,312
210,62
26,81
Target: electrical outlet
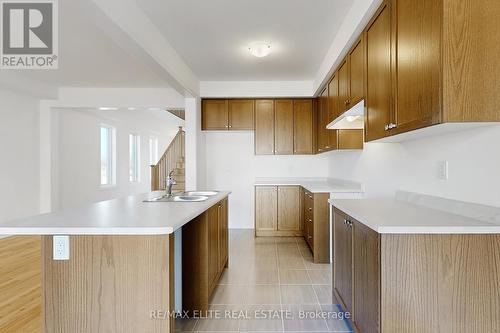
x,y
443,170
60,246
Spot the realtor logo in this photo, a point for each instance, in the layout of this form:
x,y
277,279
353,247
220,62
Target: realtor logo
x,y
29,34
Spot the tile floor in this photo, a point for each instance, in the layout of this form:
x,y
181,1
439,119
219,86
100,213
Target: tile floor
x,y
271,283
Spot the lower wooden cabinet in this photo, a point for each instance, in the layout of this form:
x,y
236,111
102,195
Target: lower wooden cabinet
x,y
205,245
277,211
356,271
316,223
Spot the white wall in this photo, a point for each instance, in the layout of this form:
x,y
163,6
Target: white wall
x,y
474,166
232,165
79,154
19,167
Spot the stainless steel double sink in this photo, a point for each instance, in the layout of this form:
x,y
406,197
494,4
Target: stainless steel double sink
x,y
188,196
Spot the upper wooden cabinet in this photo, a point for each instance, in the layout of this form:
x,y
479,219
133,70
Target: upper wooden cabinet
x,y
430,50
283,127
241,114
378,74
357,73
350,139
264,127
214,115
417,75
223,114
303,126
343,74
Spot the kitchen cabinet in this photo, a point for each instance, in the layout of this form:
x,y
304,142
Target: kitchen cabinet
x,y
433,77
325,136
342,273
223,234
289,208
333,110
343,74
303,126
264,127
356,271
316,223
283,127
223,114
378,74
241,114
205,245
366,280
417,74
356,73
277,211
349,139
214,115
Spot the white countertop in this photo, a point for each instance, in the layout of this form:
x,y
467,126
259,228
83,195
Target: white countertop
x,y
411,213
123,216
314,185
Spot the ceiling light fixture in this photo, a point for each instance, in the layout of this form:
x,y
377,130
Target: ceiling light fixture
x,y
107,108
259,49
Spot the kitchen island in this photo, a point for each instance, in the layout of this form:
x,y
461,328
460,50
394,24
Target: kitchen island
x,y
120,273
417,263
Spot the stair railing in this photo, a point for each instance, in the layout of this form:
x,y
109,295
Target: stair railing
x,y
168,161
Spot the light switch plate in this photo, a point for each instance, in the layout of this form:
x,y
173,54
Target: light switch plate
x,y
60,245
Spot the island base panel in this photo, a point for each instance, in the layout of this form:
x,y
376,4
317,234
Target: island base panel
x,y
110,284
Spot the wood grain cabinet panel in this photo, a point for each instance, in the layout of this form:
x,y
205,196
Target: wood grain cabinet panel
x,y
241,114
303,126
264,127
223,234
343,74
333,110
283,140
378,74
366,266
214,114
342,281
213,247
289,208
350,139
322,132
357,73
266,208
417,35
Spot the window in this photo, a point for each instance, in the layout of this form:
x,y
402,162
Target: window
x,y
135,161
108,138
153,150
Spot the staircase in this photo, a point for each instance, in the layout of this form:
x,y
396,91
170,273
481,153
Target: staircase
x,y
171,160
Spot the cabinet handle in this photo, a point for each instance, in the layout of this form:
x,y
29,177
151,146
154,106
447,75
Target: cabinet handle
x,y
327,147
390,126
309,237
310,209
310,220
230,126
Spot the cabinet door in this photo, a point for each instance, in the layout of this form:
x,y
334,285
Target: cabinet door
x,y
350,139
378,74
418,63
288,208
366,278
322,121
213,246
214,114
223,234
283,141
266,208
343,260
264,127
241,114
356,73
303,126
343,74
333,109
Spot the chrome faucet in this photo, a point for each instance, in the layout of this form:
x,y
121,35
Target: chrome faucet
x,y
169,183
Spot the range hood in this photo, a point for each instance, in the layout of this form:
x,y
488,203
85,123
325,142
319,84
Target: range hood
x,y
351,119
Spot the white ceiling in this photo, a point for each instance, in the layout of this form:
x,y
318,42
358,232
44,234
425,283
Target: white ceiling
x,y
88,58
211,35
